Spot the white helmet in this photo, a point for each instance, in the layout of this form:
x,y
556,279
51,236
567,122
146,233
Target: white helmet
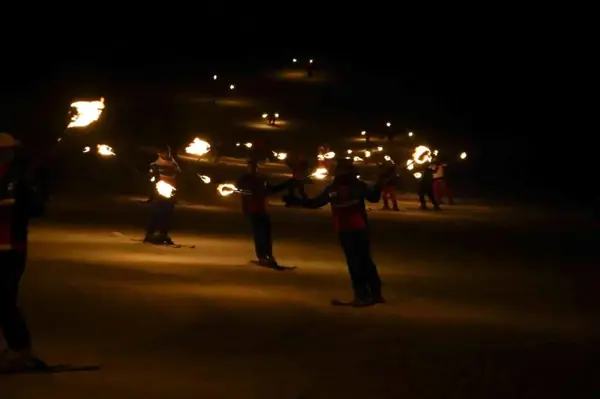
x,y
7,141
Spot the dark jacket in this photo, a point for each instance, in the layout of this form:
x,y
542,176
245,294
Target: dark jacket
x,y
255,189
347,196
22,197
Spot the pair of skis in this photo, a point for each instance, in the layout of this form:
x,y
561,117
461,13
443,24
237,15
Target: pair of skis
x,y
53,369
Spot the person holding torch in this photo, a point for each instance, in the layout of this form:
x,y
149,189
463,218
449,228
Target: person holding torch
x,y
163,174
347,196
255,190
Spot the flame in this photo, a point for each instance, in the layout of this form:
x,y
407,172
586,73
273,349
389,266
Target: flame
x,y
204,178
379,148
387,158
364,132
349,151
294,60
329,155
388,124
104,150
88,112
418,175
410,166
436,152
276,115
310,61
265,115
231,87
165,189
320,173
357,159
367,154
86,149
152,179
226,189
320,157
421,155
248,145
197,147
281,156
214,77
463,155
410,134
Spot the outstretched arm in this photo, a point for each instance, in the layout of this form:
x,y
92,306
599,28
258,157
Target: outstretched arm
x,y
318,202
275,188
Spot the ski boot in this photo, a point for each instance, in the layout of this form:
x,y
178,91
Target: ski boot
x,y
396,209
268,261
385,208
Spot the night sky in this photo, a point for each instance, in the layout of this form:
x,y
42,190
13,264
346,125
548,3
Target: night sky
x,y
483,80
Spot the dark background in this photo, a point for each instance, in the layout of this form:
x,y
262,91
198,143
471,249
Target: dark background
x,y
486,81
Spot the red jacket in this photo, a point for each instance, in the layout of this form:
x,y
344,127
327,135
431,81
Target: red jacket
x,y
255,191
347,197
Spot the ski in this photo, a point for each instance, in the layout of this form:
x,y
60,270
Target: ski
x,y
163,245
337,302
53,369
274,267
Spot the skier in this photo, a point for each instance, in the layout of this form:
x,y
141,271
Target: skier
x,y
164,169
426,188
272,118
347,197
21,198
255,189
440,185
389,176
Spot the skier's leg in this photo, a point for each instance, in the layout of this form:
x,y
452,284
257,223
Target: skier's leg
x,y
154,220
257,234
12,322
353,259
369,268
393,198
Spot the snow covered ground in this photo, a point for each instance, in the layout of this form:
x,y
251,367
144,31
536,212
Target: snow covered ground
x,y
483,302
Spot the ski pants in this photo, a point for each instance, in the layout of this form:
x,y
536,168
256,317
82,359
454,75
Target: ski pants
x,y
389,193
161,214
261,231
363,271
12,322
296,185
426,189
441,190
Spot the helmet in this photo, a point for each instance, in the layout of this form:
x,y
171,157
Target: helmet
x,y
7,141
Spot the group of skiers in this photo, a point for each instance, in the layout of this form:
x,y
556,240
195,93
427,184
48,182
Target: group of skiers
x,y
22,196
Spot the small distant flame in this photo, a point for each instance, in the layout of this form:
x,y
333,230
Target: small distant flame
x,y
349,151
248,145
364,132
418,175
265,115
214,77
379,148
86,149
226,189
165,189
276,115
205,178
329,155
463,155
105,150
357,159
231,87
367,154
410,134
198,147
387,158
